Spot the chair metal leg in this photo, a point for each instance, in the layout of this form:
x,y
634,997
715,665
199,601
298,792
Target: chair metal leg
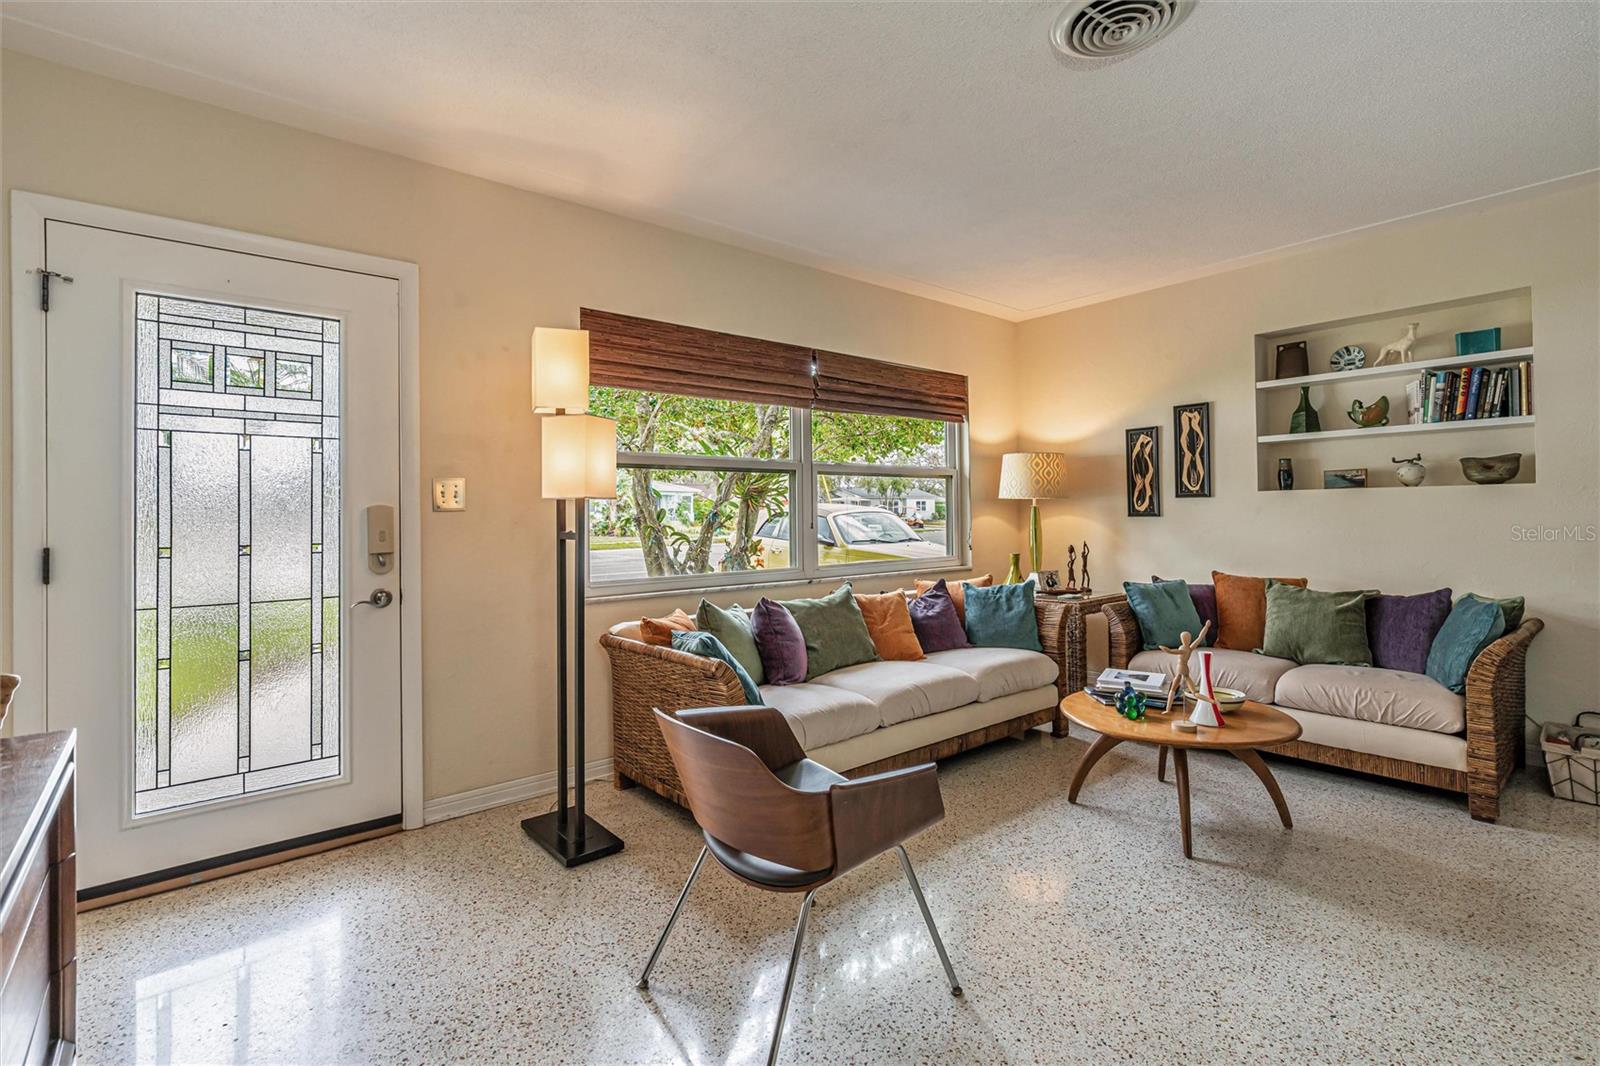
x,y
677,908
788,980
927,916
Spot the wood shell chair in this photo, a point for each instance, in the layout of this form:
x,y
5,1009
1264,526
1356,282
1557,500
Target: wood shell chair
x,y
776,820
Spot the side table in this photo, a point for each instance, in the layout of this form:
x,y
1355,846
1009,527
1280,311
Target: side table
x,y
1063,627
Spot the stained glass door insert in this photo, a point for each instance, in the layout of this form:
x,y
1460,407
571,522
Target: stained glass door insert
x,y
236,551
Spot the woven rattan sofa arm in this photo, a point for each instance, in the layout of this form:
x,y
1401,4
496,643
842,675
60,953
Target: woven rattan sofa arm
x,y
1122,634
1053,639
1496,703
647,676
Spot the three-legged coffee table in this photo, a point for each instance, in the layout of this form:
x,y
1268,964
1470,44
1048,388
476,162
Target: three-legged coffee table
x,y
1251,726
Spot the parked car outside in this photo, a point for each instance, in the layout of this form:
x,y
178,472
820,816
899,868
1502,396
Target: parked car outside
x,y
847,533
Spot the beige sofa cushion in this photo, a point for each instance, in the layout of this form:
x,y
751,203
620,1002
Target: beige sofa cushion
x,y
822,714
905,689
1370,694
1254,675
999,671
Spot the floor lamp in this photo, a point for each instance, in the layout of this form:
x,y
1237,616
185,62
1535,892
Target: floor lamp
x,y
578,462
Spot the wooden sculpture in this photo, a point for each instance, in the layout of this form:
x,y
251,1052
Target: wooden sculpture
x,y
1181,683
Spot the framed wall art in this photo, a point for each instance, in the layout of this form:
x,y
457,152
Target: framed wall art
x,y
1144,472
1191,450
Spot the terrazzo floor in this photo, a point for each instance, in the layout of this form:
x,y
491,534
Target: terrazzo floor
x,y
1385,927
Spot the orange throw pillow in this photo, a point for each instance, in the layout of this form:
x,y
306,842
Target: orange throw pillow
x,y
1242,609
889,624
958,595
660,630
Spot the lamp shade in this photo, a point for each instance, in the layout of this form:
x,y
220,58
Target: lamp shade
x,y
1033,476
560,370
578,457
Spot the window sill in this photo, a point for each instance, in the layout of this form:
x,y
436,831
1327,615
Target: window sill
x,y
593,594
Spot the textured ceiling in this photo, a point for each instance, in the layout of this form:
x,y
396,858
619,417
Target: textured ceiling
x,y
938,148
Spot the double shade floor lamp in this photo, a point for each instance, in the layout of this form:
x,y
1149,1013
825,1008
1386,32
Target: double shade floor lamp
x,y
578,463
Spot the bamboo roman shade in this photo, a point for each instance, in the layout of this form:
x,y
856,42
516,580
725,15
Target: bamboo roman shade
x,y
640,353
851,383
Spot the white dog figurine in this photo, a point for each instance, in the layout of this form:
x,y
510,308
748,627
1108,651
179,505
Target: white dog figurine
x,y
1400,349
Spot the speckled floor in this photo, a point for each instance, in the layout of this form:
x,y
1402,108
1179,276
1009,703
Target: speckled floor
x,y
1385,927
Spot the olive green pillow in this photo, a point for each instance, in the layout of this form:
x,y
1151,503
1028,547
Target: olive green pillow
x,y
836,633
1308,626
1511,606
731,625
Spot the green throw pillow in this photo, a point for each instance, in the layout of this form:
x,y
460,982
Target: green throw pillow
x,y
1165,612
1512,607
731,625
697,642
836,634
1474,624
1002,616
1308,626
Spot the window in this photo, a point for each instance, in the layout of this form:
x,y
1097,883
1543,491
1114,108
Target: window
x,y
709,492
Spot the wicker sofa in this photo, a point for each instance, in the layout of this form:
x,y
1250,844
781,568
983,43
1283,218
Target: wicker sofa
x,y
1006,693
1432,738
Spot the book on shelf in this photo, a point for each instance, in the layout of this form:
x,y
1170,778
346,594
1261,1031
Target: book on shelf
x,y
1474,392
1149,682
1471,393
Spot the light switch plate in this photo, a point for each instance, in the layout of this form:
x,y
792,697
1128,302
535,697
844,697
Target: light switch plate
x,y
449,494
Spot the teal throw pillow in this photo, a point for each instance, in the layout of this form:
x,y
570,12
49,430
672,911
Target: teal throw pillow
x,y
1308,626
1512,607
836,633
709,647
1165,611
1002,616
1473,625
731,625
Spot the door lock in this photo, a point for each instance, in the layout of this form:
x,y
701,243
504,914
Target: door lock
x,y
380,599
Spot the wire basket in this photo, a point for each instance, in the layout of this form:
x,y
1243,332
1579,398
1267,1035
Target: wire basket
x,y
1572,755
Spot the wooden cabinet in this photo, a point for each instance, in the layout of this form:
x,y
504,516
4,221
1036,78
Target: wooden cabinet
x,y
38,900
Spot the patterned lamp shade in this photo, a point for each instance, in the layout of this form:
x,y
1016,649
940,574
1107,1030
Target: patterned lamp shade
x,y
1033,476
578,458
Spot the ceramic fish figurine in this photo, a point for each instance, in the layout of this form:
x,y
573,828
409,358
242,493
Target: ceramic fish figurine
x,y
1369,415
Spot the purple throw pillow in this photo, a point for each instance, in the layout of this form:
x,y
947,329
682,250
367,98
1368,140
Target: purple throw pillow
x,y
933,616
1205,604
1400,629
780,642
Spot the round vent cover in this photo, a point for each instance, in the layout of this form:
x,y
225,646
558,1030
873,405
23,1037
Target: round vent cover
x,y
1105,29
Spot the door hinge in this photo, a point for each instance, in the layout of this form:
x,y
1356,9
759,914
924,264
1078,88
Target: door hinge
x,y
44,285
44,566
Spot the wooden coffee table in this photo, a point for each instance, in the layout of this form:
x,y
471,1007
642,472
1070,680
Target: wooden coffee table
x,y
1251,726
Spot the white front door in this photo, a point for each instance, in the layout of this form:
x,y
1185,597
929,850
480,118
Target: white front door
x,y
216,425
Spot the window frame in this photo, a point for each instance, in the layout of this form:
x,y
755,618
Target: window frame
x,y
805,557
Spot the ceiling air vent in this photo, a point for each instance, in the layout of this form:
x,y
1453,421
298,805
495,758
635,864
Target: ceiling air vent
x,y
1107,29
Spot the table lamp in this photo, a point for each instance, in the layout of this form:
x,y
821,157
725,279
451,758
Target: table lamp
x,y
1033,476
578,462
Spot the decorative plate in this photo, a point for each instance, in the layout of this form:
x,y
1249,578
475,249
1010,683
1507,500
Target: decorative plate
x,y
1350,357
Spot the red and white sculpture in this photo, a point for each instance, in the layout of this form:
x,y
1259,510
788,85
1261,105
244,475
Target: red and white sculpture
x,y
1207,711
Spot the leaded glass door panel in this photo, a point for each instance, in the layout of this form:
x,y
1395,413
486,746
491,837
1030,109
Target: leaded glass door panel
x,y
217,422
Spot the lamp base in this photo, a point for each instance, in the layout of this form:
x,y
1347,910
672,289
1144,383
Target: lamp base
x,y
562,843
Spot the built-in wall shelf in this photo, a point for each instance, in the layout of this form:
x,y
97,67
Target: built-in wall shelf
x,y
1404,427
1344,448
1399,370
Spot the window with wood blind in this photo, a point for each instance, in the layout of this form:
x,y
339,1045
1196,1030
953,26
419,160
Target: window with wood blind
x,y
743,461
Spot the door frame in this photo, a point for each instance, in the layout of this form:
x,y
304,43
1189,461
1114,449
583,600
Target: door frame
x,y
29,213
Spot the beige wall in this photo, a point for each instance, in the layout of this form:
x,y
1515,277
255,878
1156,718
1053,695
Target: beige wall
x,y
494,262
1086,375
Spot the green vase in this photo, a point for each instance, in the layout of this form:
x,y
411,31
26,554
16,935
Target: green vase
x,y
1014,575
1304,419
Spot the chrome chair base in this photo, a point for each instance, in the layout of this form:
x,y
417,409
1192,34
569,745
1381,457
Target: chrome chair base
x,y
799,940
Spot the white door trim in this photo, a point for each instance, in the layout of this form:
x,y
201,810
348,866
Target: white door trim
x,y
29,212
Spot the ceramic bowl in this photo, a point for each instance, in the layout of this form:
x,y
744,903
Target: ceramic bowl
x,y
1493,469
1230,698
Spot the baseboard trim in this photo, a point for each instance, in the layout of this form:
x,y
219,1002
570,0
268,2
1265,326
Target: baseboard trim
x,y
523,788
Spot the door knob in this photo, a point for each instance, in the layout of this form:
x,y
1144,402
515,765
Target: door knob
x,y
380,598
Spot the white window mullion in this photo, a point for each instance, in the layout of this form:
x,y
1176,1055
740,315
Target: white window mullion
x,y
805,501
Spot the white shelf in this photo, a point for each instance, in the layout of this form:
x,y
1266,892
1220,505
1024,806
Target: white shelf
x,y
1508,355
1405,427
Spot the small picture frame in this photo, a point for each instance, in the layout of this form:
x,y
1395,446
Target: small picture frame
x,y
1049,581
1352,478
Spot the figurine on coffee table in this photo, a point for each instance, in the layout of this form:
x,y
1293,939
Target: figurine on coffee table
x,y
1181,683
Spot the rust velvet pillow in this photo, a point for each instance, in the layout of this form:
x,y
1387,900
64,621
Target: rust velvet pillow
x,y
660,630
889,624
958,594
1242,609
